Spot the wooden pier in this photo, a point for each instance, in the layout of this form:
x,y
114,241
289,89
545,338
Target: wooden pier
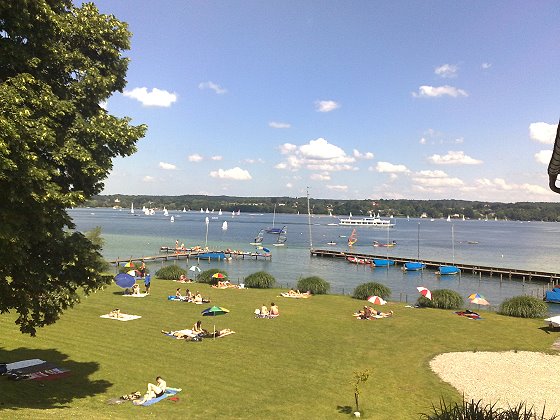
x,y
525,275
196,256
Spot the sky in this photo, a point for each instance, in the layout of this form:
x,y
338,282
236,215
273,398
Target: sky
x,y
351,99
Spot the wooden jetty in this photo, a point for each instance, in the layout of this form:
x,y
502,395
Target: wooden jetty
x,y
474,269
197,256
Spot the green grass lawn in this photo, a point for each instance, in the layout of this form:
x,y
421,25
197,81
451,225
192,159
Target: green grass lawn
x,y
299,365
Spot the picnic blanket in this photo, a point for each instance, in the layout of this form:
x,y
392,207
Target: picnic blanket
x,y
295,296
168,393
137,295
187,332
469,314
40,371
122,317
23,364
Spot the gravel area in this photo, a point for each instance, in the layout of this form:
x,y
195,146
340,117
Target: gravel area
x,y
505,378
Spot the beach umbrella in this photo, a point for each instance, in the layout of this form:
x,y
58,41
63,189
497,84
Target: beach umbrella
x,y
475,296
425,292
219,276
376,300
124,280
214,311
132,273
480,301
195,268
129,264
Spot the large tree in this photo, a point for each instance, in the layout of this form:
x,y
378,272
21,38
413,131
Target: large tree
x,y
58,64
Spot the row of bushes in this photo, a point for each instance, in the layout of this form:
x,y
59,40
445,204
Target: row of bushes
x,y
520,306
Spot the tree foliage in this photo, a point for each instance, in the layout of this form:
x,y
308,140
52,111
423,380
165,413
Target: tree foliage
x,y
59,62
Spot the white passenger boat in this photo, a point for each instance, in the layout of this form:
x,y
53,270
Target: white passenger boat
x,y
371,221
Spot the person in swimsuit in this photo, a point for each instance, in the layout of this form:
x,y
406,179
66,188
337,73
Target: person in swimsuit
x,y
154,391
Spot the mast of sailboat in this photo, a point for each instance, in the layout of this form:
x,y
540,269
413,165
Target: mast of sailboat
x,y
418,241
309,221
453,243
274,216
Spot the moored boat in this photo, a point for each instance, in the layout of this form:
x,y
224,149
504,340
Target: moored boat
x,y
553,295
413,266
380,262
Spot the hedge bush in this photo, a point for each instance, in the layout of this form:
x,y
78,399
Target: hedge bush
x,y
260,280
170,272
524,307
442,299
476,410
315,285
206,276
363,291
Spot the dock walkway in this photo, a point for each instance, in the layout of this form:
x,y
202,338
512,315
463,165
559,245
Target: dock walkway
x,y
197,256
474,269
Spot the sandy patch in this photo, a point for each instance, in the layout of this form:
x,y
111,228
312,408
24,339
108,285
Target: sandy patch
x,y
505,378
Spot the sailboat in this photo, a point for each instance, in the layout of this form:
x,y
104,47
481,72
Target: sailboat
x,y
273,230
448,218
415,265
224,225
258,239
450,269
172,219
184,210
282,237
131,208
353,238
220,212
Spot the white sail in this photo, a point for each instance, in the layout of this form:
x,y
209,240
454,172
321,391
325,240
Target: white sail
x,y
220,212
165,212
224,225
184,210
172,219
132,208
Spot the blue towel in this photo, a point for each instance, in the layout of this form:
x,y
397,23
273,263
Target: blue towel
x,y
168,392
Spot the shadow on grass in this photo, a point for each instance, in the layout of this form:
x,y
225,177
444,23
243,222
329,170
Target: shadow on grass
x,y
55,393
345,409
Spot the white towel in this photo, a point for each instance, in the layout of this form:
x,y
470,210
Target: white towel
x,y
23,364
139,295
122,317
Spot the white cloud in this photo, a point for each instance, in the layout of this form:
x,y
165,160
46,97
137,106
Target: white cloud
x,y
213,86
321,177
251,161
321,149
422,140
275,124
359,155
217,157
156,97
502,185
236,174
338,187
454,158
542,132
386,167
287,148
485,66
436,179
447,70
289,185
148,178
459,140
195,158
543,156
167,166
434,92
326,106
281,165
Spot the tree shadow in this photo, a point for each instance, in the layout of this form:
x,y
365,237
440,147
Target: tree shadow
x,y
344,409
55,393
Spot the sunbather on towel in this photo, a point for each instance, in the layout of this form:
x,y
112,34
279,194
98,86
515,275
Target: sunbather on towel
x,y
184,334
115,313
216,334
154,391
136,289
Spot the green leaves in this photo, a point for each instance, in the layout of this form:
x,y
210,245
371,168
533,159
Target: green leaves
x,y
56,148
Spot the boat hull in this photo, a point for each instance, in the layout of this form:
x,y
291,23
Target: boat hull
x,y
553,295
383,262
414,266
212,256
447,270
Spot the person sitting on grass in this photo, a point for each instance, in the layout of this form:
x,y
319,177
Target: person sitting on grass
x,y
274,312
264,311
188,295
115,313
197,328
197,297
154,391
135,289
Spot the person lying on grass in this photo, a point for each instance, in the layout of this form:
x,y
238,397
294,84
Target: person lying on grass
x,y
154,391
371,313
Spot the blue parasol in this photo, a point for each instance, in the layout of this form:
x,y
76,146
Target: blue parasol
x,y
124,280
266,250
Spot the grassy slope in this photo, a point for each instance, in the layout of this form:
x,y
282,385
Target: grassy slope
x,y
297,366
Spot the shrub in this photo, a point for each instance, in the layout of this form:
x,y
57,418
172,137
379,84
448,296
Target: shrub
x,y
524,307
206,276
442,299
260,280
170,272
475,410
363,291
314,284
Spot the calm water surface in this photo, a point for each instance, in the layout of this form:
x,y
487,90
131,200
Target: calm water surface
x,y
523,245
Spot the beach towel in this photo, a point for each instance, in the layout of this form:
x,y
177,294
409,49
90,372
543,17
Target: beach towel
x,y
137,295
168,393
187,332
297,296
122,317
41,371
23,364
174,298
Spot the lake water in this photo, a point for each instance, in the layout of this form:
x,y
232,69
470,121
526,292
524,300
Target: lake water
x,y
522,245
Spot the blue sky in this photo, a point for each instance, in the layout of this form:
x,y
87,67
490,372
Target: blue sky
x,y
353,99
